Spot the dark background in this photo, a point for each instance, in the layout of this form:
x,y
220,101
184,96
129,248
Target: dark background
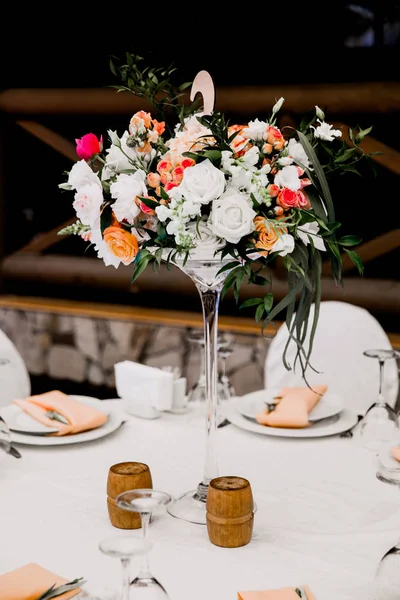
x,y
252,44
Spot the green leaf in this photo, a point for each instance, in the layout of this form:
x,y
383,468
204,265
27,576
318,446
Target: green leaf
x,y
148,202
213,155
185,85
113,68
284,302
349,240
361,134
268,302
356,260
341,158
251,302
191,155
142,265
351,134
308,149
227,267
259,312
164,194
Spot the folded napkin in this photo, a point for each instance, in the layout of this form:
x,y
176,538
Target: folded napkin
x,y
30,582
294,406
80,417
141,387
282,594
396,452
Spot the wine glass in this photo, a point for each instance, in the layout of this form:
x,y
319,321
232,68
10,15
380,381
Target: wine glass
x,y
225,390
145,502
387,579
123,548
380,421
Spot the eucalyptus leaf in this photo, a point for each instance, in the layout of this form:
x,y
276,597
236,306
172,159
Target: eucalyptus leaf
x,y
251,302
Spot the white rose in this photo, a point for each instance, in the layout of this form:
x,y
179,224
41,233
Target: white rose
x,y
255,130
101,247
207,243
297,152
125,189
284,245
88,200
325,132
232,216
81,174
311,229
251,157
288,177
202,183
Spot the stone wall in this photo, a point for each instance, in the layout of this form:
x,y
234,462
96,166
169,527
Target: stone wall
x,y
84,350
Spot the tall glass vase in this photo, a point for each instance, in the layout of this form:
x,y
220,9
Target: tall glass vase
x,y
191,506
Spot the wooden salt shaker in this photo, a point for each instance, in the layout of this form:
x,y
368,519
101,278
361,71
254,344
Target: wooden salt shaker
x,y
123,477
230,512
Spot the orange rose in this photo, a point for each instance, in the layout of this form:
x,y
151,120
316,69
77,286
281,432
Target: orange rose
x,y
121,243
177,175
146,117
153,179
267,235
274,137
273,190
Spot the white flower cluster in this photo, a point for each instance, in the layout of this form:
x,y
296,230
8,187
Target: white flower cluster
x,y
245,176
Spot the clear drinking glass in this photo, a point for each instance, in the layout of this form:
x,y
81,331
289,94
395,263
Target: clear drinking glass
x,y
225,391
380,422
145,502
123,548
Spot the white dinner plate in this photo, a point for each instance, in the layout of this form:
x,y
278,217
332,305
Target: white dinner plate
x,y
252,404
18,419
331,426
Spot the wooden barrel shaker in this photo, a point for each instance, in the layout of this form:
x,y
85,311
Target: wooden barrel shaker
x,y
123,477
230,512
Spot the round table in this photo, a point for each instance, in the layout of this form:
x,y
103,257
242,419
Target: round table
x,y
323,518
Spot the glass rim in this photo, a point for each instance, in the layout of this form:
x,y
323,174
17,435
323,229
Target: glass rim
x,y
122,500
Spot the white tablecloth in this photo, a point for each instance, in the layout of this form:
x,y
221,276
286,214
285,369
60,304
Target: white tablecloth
x,y
323,518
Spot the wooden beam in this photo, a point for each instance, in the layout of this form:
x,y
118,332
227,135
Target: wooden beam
x,y
379,246
43,241
153,316
51,138
377,97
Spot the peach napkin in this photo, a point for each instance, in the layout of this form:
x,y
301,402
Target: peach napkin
x,y
30,582
80,417
396,452
293,409
282,594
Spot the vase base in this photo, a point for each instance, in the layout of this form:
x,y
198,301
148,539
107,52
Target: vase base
x,y
190,507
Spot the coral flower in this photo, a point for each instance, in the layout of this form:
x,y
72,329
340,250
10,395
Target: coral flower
x,y
121,244
158,126
88,145
164,166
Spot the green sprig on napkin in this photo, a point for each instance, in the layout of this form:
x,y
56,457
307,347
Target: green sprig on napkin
x,y
54,591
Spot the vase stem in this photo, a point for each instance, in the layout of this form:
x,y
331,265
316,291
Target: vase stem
x,y
210,303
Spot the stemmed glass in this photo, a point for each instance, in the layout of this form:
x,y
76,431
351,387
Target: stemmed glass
x,y
123,548
145,502
380,421
226,391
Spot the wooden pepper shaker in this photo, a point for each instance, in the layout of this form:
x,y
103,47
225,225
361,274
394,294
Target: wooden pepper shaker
x,y
230,512
123,477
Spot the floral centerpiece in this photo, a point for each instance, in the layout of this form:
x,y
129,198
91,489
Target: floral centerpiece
x,y
247,191
220,200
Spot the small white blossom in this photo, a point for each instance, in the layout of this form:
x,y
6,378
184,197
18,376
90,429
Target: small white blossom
x,y
88,200
320,113
255,130
163,213
285,161
325,132
311,229
114,139
297,152
191,209
125,190
278,105
251,157
288,177
81,174
284,245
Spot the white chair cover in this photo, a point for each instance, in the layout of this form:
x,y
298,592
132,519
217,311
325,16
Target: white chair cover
x,y
344,331
14,376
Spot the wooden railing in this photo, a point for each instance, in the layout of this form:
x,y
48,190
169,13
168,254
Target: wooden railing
x,y
26,106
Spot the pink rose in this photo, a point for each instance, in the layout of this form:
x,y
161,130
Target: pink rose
x,y
88,146
303,200
288,199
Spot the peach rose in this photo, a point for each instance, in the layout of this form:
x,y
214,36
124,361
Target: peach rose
x,y
267,148
303,200
144,116
121,243
177,175
273,190
158,126
187,162
274,137
145,149
165,178
153,179
164,166
267,235
278,210
305,181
